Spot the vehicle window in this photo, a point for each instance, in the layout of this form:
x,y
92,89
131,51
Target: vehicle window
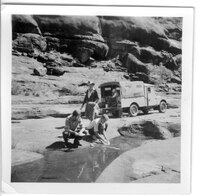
x,y
107,91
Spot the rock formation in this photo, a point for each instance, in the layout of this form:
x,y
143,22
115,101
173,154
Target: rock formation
x,y
142,45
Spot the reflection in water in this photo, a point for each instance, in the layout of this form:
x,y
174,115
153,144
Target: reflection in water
x,y
80,165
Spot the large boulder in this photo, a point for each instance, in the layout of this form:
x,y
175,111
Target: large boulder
x,y
53,43
149,55
29,43
176,79
72,46
70,33
134,65
145,54
171,64
146,31
141,29
55,59
173,26
40,71
178,60
55,71
83,54
122,47
168,45
24,24
65,33
68,26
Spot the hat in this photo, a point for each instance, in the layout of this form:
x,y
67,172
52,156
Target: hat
x,y
91,83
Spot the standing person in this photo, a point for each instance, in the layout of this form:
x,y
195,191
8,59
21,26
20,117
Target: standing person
x,y
97,129
73,125
91,99
114,101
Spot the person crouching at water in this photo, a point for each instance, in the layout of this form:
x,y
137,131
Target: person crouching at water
x,y
73,128
97,129
91,99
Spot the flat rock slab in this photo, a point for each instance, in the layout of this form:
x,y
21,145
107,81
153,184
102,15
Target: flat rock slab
x,y
21,157
155,158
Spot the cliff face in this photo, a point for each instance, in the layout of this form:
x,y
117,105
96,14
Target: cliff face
x,y
148,49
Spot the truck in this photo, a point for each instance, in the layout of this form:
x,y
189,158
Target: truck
x,y
132,97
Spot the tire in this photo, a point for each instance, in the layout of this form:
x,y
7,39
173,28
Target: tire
x,y
133,110
162,107
145,111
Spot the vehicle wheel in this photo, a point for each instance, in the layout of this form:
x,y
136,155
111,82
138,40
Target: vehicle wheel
x,y
145,111
133,110
162,107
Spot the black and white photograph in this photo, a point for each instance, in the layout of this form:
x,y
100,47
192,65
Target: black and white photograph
x,y
97,98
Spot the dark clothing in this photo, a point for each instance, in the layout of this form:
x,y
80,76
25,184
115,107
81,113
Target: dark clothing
x,y
90,100
90,111
69,135
93,97
114,101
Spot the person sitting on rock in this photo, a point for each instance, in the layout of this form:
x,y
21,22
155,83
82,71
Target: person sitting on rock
x,y
73,128
97,129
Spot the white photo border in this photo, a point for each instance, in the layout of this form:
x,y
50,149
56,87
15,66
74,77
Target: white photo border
x,y
186,102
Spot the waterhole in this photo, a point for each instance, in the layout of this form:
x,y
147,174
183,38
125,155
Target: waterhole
x,y
76,165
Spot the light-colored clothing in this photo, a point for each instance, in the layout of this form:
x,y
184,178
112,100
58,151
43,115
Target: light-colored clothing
x,y
98,131
90,93
72,124
94,125
97,126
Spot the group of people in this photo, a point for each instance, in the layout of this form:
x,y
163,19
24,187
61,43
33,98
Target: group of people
x,y
97,126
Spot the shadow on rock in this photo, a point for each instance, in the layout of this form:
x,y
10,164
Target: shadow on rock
x,y
60,145
56,145
62,127
88,138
